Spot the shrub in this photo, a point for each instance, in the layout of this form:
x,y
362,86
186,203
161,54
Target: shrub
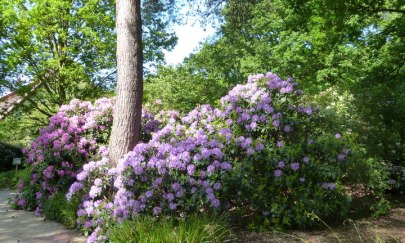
x,y
181,91
195,228
264,153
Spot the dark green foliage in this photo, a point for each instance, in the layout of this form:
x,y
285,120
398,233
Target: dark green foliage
x,y
397,178
9,179
7,153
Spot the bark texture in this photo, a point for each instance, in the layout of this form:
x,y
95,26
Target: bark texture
x,y
126,128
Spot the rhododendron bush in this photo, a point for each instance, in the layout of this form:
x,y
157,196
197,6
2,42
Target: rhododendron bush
x,y
73,137
263,153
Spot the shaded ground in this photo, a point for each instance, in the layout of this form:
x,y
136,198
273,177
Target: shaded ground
x,y
23,226
386,229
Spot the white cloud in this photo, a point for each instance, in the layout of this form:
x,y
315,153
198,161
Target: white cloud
x,y
189,37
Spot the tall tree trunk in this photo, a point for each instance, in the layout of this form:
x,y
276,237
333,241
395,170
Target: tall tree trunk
x,y
128,108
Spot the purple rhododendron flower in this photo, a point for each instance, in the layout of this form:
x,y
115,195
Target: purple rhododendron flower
x,y
157,210
259,147
328,185
215,203
210,169
61,172
20,185
191,169
287,128
295,166
226,166
173,206
21,202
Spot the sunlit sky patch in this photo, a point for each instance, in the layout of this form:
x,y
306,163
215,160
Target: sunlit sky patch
x,y
189,37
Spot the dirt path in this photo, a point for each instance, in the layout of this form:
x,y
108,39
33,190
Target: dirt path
x,y
23,226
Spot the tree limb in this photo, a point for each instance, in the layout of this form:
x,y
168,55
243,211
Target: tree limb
x,y
39,109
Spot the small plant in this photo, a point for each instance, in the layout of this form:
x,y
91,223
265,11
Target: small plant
x,y
380,208
195,228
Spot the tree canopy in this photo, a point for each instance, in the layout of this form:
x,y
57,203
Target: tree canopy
x,y
68,47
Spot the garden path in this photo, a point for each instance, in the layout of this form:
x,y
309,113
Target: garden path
x,y
23,226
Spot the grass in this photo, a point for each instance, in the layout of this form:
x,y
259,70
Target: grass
x,y
194,228
59,209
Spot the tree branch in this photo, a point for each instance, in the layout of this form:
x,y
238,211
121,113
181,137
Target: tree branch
x,y
39,109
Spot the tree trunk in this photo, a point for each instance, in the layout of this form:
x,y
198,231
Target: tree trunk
x,y
128,107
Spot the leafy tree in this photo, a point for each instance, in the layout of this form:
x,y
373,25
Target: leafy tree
x,y
67,48
182,91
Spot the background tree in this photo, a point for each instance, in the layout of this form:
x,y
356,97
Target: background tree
x,y
63,46
68,47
